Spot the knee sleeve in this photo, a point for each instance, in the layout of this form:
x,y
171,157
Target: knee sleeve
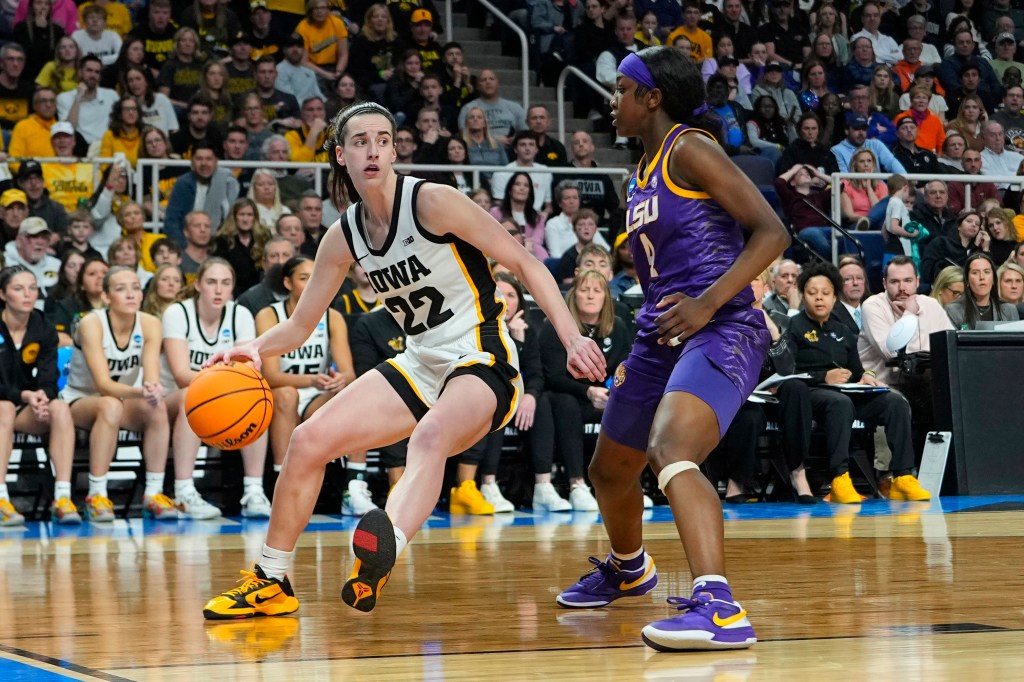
x,y
670,471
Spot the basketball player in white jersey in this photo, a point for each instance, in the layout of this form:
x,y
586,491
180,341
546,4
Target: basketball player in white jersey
x,y
422,246
303,380
194,329
114,383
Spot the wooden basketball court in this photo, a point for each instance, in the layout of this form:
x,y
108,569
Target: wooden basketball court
x,y
881,591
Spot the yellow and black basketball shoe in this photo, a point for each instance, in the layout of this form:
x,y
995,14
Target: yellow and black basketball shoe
x,y
257,595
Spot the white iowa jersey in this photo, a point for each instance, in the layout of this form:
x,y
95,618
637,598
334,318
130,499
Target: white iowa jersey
x,y
124,364
438,288
314,355
181,321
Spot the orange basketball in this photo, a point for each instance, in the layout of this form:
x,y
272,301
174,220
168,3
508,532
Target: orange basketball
x,y
229,406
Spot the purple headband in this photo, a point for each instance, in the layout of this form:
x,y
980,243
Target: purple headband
x,y
633,67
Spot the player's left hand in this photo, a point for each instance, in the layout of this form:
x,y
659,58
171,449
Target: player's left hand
x,y
584,359
685,317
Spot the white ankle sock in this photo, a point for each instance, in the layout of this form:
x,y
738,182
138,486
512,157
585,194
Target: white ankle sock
x,y
400,542
4,494
709,579
97,485
252,483
626,557
60,489
274,562
154,483
277,468
183,487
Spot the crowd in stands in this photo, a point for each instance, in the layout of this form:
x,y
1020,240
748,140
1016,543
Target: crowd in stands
x,y
813,87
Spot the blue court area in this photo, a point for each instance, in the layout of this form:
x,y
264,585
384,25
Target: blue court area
x,y
322,523
16,671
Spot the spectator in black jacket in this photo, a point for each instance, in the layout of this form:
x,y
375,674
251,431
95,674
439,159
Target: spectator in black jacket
x,y
807,148
28,379
954,249
575,402
827,350
533,418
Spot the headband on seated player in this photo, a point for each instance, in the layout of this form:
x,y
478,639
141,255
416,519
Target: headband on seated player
x,y
634,67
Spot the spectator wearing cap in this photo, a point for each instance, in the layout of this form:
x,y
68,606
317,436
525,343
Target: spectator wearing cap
x,y
623,267
15,91
951,68
214,21
786,39
241,71
29,249
88,107
293,76
95,38
421,33
886,49
773,84
40,204
1010,116
1005,49
13,209
925,76
68,183
700,40
861,68
31,135
930,131
157,35
857,137
996,10
402,15
908,150
264,42
325,38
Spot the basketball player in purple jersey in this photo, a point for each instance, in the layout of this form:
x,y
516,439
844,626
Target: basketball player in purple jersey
x,y
698,349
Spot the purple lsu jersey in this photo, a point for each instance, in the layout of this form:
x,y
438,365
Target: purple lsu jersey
x,y
683,242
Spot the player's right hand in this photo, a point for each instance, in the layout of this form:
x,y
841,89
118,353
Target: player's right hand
x,y
246,352
584,359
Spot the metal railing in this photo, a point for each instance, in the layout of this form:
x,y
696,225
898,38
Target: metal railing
x,y
524,45
560,93
837,190
94,161
448,20
321,168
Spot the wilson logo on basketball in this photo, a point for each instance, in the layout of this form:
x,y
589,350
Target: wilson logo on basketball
x,y
228,443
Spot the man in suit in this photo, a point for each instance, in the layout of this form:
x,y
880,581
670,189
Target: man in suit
x,y
855,290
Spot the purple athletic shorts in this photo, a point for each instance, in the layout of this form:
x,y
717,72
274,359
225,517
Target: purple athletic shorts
x,y
639,385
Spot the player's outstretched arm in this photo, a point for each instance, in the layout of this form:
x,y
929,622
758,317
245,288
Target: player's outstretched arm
x,y
699,161
443,209
330,267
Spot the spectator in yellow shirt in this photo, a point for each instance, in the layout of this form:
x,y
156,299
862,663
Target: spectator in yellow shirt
x,y
124,133
61,74
700,40
31,136
325,37
69,184
307,143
